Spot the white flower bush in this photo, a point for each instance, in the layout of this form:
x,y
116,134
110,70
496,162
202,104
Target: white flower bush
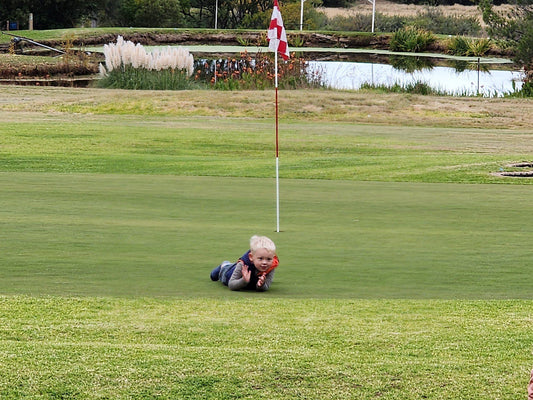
x,y
124,53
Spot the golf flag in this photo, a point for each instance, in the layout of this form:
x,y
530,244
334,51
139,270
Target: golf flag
x,y
277,38
277,42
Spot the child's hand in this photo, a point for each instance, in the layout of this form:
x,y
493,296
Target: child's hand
x,y
246,273
261,281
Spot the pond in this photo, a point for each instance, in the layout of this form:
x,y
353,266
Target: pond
x,y
469,79
351,68
465,77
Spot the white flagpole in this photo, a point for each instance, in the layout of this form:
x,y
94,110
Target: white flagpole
x,y
277,141
301,14
277,36
373,13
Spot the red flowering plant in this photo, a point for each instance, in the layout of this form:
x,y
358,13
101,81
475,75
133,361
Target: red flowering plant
x,y
252,73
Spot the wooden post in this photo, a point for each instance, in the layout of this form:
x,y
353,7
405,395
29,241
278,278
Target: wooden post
x,y
7,26
30,22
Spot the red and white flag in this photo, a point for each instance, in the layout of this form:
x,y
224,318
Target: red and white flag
x,y
277,37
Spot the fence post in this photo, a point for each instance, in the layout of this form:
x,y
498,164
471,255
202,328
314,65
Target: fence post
x,y
30,22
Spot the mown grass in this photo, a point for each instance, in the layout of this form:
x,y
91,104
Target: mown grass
x,y
331,136
96,348
208,146
84,33
398,278
160,236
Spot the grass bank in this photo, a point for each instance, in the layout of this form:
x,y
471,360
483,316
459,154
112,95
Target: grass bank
x,y
356,107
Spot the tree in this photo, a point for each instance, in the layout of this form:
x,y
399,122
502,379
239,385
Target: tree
x,y
154,13
52,14
15,11
515,27
312,19
255,14
48,14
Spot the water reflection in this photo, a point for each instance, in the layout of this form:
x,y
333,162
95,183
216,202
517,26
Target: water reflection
x,y
411,64
465,78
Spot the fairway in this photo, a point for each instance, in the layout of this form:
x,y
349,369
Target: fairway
x,y
405,262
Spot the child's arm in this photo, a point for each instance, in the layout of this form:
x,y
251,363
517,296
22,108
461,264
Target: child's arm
x,y
261,281
240,277
268,278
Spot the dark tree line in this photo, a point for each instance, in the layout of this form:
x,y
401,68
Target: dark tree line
x,y
52,14
48,14
231,14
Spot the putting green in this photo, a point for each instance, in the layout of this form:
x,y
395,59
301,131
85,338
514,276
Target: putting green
x,y
144,235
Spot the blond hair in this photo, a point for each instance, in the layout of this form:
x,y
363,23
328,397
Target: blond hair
x,y
261,242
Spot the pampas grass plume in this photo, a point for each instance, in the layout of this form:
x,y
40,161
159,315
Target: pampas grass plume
x,y
124,53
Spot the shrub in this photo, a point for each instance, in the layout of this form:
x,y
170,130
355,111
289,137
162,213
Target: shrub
x,y
462,46
129,66
390,23
457,45
527,86
351,23
411,39
363,23
144,79
434,20
527,89
479,47
418,87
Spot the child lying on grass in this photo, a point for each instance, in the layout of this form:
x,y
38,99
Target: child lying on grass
x,y
254,270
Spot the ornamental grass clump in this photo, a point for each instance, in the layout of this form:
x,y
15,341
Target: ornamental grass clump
x,y
411,39
130,66
463,46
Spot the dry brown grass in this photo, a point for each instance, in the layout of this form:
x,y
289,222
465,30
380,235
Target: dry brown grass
x,y
312,105
408,10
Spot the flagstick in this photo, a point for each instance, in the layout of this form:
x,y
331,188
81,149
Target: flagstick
x,y
277,142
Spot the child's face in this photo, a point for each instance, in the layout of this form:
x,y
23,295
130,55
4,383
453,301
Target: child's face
x,y
262,259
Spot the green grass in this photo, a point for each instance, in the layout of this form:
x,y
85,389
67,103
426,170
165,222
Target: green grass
x,y
140,235
212,146
258,348
75,33
142,79
405,265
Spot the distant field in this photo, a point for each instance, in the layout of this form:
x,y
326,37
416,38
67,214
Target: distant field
x,y
390,8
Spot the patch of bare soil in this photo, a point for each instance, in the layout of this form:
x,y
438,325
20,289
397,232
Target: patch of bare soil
x,y
516,170
47,70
